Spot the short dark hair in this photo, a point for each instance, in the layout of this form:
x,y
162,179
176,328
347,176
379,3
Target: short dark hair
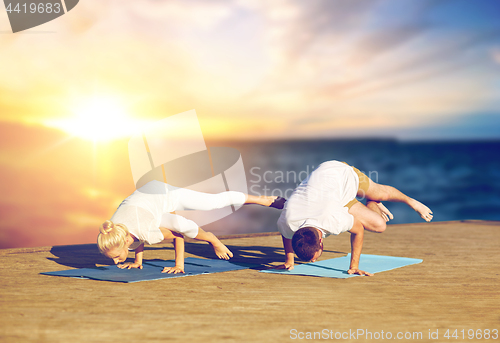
x,y
306,242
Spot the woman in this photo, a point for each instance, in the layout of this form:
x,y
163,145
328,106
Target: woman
x,y
145,218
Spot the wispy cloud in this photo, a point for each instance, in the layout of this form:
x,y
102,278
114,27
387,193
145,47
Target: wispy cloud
x,y
251,60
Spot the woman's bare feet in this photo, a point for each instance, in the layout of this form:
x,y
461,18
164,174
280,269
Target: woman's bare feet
x,y
220,249
275,201
260,200
267,200
421,209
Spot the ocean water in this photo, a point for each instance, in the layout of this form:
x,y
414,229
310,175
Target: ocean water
x,y
457,180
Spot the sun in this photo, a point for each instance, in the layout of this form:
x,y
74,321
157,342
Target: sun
x,y
99,119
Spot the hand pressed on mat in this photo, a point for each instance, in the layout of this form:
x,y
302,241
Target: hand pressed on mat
x,y
130,265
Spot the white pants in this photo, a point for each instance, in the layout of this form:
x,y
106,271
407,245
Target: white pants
x,y
186,199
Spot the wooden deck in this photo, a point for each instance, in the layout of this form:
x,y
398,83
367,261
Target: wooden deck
x,y
455,288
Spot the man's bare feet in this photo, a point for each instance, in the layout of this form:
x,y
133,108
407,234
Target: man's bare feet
x,y
379,208
421,209
221,250
385,213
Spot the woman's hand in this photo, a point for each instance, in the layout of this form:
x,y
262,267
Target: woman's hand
x,y
130,265
173,270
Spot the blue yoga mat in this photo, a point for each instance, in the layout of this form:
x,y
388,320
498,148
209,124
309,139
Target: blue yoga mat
x,y
152,270
337,267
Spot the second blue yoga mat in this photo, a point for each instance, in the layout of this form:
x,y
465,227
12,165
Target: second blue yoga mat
x,y
337,267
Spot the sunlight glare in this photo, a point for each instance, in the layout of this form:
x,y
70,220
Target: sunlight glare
x,y
100,119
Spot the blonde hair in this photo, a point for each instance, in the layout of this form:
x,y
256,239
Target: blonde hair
x,y
111,236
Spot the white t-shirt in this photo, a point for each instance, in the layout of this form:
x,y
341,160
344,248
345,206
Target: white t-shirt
x,y
143,210
320,200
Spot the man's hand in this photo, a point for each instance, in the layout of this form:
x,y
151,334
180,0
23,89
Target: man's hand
x,y
359,272
286,265
173,270
130,265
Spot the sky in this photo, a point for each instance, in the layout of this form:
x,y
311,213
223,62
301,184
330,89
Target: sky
x,y
72,90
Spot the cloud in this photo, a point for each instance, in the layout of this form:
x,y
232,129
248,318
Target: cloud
x,y
191,13
249,61
411,56
436,61
295,28
373,26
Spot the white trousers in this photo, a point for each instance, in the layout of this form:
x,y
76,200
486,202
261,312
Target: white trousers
x,y
186,199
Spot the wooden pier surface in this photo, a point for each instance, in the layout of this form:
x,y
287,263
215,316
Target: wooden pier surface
x,y
457,287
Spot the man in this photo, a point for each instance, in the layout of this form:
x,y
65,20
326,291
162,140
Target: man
x,y
325,203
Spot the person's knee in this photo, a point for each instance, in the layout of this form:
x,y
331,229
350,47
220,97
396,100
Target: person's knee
x,y
379,225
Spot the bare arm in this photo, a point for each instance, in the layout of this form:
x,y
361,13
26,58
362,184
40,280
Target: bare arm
x,y
178,248
179,252
357,234
220,249
138,255
138,259
289,255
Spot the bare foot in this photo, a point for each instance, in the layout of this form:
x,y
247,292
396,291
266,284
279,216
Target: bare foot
x,y
221,250
380,209
386,214
260,200
421,209
267,200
